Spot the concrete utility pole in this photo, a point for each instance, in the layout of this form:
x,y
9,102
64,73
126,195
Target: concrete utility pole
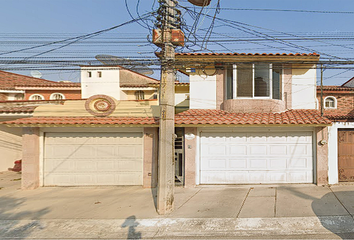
x,y
166,167
168,36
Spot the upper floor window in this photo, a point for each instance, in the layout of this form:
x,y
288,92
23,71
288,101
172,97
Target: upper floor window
x,y
89,74
36,97
99,74
260,80
139,95
19,96
57,96
330,102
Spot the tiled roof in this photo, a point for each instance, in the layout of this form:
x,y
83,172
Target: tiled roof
x,y
247,54
191,117
339,116
85,121
20,109
220,117
11,80
335,88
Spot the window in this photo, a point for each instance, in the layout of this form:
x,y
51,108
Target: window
x,y
139,95
99,74
19,96
89,74
330,102
261,80
57,96
36,97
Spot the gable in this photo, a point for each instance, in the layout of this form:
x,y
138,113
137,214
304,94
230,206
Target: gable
x,y
130,78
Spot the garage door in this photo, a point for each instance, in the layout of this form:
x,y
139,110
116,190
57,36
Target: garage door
x,y
77,159
241,158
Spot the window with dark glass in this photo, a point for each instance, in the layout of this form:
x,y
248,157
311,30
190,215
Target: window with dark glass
x,y
259,80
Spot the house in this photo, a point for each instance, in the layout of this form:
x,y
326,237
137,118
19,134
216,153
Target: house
x,y
338,106
115,80
20,87
252,119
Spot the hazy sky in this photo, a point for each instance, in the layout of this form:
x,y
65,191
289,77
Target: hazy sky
x,y
26,23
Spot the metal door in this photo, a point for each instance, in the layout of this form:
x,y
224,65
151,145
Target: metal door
x,y
346,155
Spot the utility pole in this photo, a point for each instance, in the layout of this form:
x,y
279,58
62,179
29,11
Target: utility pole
x,y
168,35
166,164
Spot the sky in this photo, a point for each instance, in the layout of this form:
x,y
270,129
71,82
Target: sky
x,y
322,26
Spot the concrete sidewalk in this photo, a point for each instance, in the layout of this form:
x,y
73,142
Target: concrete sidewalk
x,y
206,212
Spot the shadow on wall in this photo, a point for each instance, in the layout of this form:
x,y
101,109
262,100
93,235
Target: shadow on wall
x,y
332,211
131,224
15,228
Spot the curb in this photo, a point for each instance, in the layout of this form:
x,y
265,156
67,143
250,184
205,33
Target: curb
x,y
174,227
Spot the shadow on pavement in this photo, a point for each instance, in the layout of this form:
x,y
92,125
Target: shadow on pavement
x,y
15,228
341,224
131,224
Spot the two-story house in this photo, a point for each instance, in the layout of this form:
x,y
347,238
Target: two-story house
x,y
338,106
253,119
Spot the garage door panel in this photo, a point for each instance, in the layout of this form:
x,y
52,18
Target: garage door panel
x,y
256,150
238,163
237,150
215,150
93,159
258,164
265,157
278,150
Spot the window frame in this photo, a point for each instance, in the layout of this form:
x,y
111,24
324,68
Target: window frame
x,y
234,81
57,93
138,94
35,95
334,102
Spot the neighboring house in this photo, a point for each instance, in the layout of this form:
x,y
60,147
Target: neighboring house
x,y
338,106
19,87
108,80
124,84
252,119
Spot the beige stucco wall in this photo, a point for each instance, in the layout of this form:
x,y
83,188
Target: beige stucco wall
x,y
190,146
10,146
150,157
254,105
30,159
322,155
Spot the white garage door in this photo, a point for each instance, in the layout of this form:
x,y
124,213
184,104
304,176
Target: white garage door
x,y
77,159
233,158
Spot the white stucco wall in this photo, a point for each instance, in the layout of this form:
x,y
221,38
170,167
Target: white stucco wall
x,y
108,84
333,150
202,92
303,87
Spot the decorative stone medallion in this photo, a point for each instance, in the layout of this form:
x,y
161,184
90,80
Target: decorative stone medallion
x,y
100,105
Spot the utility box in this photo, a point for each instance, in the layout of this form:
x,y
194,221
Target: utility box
x,y
177,37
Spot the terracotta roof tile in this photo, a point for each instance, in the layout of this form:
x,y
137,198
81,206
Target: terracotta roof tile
x,y
84,121
192,117
335,88
20,109
291,117
248,54
10,80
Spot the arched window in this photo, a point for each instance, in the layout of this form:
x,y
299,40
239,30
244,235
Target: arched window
x,y
330,102
139,95
36,97
57,96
